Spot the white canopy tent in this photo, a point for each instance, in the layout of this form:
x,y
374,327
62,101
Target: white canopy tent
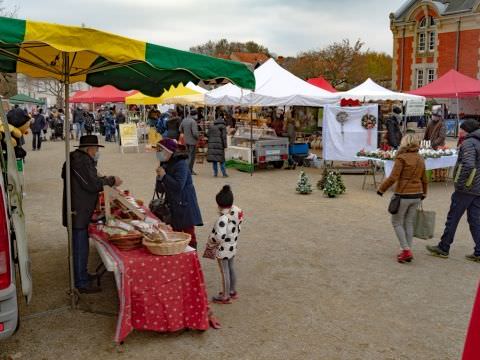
x,y
371,91
228,95
275,86
197,88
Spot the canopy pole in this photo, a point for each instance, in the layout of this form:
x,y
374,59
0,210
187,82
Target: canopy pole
x,y
68,193
251,141
458,115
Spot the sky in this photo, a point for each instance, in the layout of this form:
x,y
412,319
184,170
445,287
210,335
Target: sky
x,y
285,27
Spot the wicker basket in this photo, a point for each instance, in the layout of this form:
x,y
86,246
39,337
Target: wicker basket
x,y
176,244
126,242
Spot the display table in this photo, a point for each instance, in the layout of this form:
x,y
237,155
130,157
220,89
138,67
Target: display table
x,y
159,293
472,343
430,163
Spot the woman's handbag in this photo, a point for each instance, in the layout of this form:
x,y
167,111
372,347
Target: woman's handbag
x,y
159,207
394,205
424,227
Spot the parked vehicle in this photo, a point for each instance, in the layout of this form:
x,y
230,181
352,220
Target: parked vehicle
x,y
13,240
268,148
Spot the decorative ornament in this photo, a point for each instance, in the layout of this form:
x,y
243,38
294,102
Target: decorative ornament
x,y
342,118
369,122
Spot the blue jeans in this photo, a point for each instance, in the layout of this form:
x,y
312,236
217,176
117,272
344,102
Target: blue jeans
x,y
79,129
37,140
462,202
191,149
80,257
222,168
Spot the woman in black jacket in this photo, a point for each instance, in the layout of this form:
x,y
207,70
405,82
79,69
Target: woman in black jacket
x,y
217,143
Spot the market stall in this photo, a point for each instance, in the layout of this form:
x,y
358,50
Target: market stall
x,y
385,159
275,86
322,84
452,85
159,279
22,99
347,129
370,91
440,159
102,95
194,99
72,54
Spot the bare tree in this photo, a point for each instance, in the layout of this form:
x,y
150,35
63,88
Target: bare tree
x,y
224,47
55,88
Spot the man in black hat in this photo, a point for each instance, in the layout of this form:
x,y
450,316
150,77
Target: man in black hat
x,y
85,186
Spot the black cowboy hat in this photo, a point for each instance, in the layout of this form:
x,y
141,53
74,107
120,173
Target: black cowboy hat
x,y
89,140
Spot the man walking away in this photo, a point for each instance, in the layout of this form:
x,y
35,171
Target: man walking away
x,y
120,119
37,127
79,122
189,129
466,196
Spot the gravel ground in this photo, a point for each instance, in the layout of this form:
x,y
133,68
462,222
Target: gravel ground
x,y
317,276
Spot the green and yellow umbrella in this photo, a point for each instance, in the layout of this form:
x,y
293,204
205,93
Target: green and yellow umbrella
x,y
71,54
99,58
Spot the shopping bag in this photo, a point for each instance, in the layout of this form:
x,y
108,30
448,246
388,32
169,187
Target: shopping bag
x,y
210,252
424,224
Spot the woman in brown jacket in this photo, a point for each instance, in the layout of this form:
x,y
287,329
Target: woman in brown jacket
x,y
409,175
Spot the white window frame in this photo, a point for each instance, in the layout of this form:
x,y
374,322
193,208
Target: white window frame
x,y
422,42
431,75
420,78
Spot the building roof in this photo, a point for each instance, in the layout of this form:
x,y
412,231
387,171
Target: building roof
x,y
445,7
459,5
251,58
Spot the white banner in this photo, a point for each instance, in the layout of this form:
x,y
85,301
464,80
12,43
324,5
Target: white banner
x,y
343,142
415,108
128,134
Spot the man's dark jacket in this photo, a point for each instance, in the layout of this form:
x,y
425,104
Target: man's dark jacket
x,y
85,185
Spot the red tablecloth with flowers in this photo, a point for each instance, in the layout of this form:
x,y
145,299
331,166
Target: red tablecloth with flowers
x,y
472,343
159,293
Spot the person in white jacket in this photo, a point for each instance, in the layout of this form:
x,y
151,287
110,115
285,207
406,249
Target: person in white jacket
x,y
222,244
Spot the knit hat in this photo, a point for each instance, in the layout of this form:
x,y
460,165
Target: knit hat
x,y
470,125
169,145
225,197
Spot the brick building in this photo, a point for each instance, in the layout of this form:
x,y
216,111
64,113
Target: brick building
x,y
432,37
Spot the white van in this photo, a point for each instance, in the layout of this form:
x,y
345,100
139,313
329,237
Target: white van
x,y
13,241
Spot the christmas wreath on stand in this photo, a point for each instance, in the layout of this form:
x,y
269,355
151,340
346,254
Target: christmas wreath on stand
x,y
369,122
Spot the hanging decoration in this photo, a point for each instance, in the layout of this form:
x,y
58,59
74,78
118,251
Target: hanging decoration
x,y
369,122
342,118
